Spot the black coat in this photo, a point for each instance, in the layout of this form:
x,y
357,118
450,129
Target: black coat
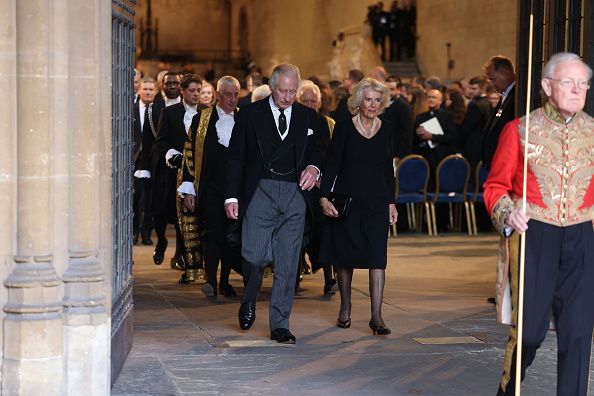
x,y
501,115
400,114
249,148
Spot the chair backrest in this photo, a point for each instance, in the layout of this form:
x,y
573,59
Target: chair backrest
x,y
452,174
481,175
412,175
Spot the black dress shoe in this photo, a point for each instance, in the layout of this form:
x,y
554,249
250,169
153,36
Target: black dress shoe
x,y
147,241
184,279
247,315
282,336
158,257
227,290
331,288
177,263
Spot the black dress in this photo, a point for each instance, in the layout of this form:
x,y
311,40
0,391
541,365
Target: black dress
x,y
363,170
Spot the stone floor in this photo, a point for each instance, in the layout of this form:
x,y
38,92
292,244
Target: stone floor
x,y
185,344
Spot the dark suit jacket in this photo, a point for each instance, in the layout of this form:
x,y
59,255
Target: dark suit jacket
x,y
137,133
246,100
471,130
446,143
342,109
249,148
500,116
400,114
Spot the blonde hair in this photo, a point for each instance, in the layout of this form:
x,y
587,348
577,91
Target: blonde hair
x,y
358,90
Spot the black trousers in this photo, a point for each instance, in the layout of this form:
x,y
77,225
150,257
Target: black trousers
x,y
215,247
559,276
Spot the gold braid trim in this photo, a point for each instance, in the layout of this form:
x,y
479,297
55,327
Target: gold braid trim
x,y
503,207
331,124
188,220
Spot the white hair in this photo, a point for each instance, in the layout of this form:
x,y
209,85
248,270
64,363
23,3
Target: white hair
x,y
260,92
547,71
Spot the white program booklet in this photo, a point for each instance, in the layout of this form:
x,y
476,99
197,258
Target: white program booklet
x,y
432,126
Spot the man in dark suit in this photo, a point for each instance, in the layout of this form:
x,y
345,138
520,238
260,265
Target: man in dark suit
x,y
203,185
471,130
501,73
142,222
432,147
273,163
400,115
174,123
154,161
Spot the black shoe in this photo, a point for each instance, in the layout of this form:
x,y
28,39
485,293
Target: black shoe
x,y
135,240
492,300
159,253
158,257
343,325
282,336
380,330
209,290
177,263
147,241
247,315
184,279
306,269
227,290
331,288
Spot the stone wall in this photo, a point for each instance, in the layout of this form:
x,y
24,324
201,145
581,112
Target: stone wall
x,y
302,31
476,30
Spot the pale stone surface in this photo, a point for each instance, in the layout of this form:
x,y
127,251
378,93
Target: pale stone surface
x,y
302,31
435,287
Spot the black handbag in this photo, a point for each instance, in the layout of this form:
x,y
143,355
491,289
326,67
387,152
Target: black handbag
x,y
341,202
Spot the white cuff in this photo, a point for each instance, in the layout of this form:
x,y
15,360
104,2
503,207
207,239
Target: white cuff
x,y
230,200
186,188
142,174
170,154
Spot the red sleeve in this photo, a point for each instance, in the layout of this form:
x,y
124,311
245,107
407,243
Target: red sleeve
x,y
507,162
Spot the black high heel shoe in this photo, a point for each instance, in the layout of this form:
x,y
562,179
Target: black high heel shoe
x,y
379,330
343,324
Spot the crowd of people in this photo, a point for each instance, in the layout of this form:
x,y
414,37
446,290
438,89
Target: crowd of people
x,y
183,129
301,168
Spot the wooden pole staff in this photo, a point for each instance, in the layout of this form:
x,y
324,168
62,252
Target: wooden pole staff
x,y
520,319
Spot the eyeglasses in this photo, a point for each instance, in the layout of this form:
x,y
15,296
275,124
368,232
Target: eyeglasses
x,y
568,83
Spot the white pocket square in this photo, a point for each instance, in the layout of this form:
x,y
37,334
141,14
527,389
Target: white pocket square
x,y
309,131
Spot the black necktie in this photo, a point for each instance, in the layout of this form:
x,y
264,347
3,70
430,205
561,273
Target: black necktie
x,y
282,122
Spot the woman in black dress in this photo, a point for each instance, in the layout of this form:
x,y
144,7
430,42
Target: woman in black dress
x,y
359,165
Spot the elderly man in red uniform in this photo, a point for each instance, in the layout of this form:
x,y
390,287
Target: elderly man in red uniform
x,y
557,223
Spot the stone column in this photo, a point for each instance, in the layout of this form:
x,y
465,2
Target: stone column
x,y
33,355
86,322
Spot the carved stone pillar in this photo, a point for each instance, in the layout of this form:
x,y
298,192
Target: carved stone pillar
x,y
56,329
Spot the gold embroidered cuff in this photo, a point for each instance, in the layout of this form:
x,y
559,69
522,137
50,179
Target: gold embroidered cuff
x,y
503,207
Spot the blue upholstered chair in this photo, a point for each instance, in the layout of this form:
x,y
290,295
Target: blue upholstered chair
x,y
412,175
451,176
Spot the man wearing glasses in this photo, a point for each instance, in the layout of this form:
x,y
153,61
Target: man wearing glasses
x,y
556,222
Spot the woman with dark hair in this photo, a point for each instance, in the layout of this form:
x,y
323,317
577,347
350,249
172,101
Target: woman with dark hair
x,y
455,104
358,168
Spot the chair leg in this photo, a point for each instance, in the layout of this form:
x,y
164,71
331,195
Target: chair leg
x,y
473,214
433,219
467,206
419,217
428,217
452,223
412,224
